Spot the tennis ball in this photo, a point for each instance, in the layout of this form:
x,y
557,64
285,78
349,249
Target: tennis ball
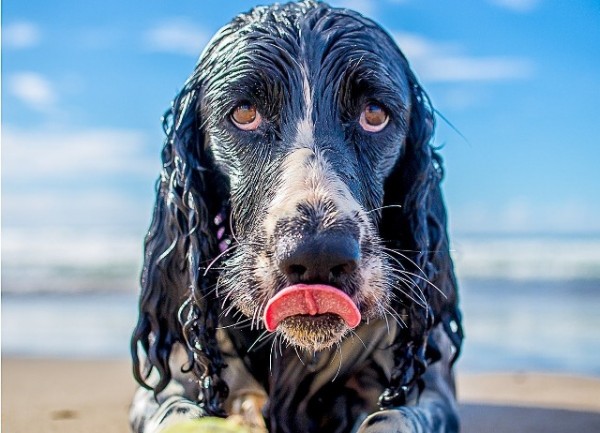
x,y
207,425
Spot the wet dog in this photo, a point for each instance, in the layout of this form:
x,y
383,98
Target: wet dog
x,y
297,268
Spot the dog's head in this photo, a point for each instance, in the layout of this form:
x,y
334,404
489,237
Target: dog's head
x,y
299,190
306,112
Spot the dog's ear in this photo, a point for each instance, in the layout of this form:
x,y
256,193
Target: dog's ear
x,y
177,304
414,225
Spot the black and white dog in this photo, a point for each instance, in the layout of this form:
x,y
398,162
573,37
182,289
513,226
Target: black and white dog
x,y
297,270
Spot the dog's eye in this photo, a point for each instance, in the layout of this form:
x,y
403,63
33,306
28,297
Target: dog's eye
x,y
373,117
246,117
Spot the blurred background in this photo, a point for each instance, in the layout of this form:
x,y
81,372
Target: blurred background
x,y
84,85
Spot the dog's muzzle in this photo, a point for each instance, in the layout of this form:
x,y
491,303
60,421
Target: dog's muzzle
x,y
316,267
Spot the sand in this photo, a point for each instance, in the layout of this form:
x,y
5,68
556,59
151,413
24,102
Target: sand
x,y
45,396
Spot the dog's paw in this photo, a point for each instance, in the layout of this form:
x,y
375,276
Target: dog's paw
x,y
389,421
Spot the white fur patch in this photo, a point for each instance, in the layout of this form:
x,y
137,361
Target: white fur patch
x,y
306,127
308,178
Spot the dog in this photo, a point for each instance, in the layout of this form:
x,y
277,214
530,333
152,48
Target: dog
x,y
297,272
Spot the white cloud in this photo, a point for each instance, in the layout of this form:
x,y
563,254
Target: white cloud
x,y
459,97
86,210
445,62
523,215
366,7
33,89
463,68
517,5
20,35
31,156
77,178
178,36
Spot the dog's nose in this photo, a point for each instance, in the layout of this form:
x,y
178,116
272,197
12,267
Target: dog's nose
x,y
323,258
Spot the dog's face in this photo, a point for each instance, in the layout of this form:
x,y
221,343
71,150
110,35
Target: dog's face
x,y
306,112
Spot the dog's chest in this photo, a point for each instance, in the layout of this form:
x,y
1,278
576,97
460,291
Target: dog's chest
x,y
330,391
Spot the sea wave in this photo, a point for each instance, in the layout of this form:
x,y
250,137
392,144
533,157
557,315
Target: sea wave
x,y
74,260
509,325
64,260
529,303
527,257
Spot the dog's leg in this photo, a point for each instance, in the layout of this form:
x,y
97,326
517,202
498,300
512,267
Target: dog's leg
x,y
150,415
179,400
436,410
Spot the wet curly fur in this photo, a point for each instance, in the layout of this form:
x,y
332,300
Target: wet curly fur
x,y
229,210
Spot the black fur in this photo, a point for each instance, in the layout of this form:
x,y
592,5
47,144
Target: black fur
x,y
215,188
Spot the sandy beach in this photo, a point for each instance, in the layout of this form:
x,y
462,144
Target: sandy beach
x,y
93,396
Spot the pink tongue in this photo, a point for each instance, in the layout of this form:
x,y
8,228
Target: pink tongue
x,y
311,299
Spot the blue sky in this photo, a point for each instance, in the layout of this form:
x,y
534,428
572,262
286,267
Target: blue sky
x,y
84,85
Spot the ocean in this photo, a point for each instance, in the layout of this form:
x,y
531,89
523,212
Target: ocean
x,y
529,303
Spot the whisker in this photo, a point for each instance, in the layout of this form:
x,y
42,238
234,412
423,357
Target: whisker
x,y
256,317
401,283
298,355
451,125
226,299
211,289
396,317
404,256
271,355
339,369
239,324
387,324
360,339
225,311
427,281
399,206
424,276
231,230
262,337
388,253
413,288
403,271
213,261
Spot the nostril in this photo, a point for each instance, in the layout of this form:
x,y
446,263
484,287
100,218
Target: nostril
x,y
297,270
344,268
323,258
